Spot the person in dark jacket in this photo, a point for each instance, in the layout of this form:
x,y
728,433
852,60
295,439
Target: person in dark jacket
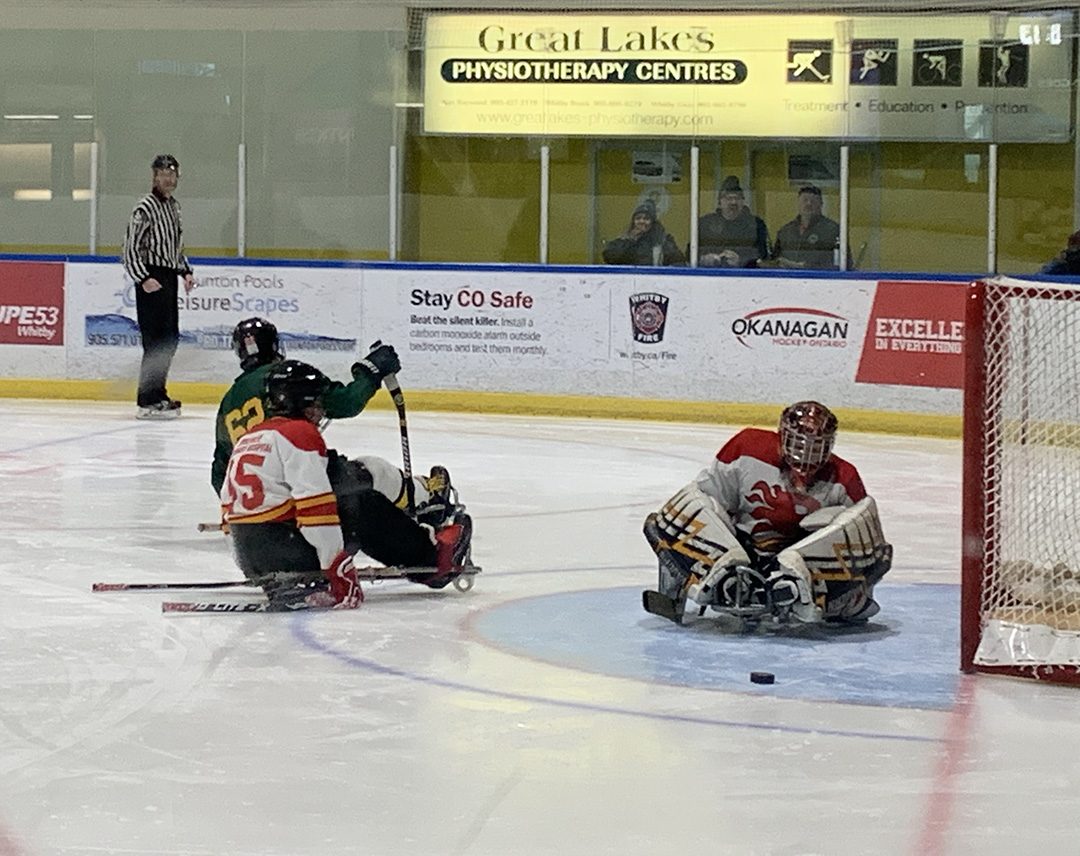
x,y
645,242
1067,262
731,236
811,240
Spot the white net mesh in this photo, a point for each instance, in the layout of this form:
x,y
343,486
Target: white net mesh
x,y
1030,606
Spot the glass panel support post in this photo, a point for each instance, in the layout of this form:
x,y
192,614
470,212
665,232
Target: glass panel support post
x,y
991,209
545,190
845,176
392,206
695,185
93,198
241,200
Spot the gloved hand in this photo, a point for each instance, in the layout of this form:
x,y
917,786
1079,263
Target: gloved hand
x,y
382,360
793,576
343,583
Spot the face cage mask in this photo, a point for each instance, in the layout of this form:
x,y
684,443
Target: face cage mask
x,y
806,453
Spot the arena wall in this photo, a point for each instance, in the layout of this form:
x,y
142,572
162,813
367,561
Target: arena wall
x,y
682,345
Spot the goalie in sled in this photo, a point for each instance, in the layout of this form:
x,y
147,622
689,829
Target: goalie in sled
x,y
776,528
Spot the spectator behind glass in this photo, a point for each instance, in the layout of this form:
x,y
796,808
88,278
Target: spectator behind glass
x,y
645,241
811,240
731,236
1067,262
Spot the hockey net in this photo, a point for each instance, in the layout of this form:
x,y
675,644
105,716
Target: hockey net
x,y
1021,549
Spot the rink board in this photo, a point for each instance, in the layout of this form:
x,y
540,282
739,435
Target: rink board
x,y
891,344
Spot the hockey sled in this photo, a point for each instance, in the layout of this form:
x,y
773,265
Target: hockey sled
x,y
750,601
464,581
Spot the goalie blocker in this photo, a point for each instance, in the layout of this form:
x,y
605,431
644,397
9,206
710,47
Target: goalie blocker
x,y
829,575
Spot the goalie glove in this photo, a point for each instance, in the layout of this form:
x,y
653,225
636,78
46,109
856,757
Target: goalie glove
x,y
791,591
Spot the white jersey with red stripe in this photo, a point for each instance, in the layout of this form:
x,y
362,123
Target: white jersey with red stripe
x,y
753,485
277,474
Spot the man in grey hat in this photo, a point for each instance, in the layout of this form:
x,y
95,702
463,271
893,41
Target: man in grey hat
x,y
731,236
154,259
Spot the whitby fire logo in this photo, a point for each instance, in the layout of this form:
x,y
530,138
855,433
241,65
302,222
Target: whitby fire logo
x,y
648,314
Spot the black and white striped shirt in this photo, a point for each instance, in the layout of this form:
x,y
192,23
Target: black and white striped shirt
x,y
154,238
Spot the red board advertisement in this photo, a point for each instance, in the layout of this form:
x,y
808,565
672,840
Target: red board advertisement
x,y
31,303
915,335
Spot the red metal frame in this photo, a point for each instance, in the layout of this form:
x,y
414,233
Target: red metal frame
x,y
973,535
976,532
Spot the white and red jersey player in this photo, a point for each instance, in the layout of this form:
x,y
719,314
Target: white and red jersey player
x,y
765,497
277,474
779,505
278,501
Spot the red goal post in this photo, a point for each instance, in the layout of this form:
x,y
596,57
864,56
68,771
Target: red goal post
x,y
1020,601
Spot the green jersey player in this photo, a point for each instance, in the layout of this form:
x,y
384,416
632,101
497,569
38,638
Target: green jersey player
x,y
256,343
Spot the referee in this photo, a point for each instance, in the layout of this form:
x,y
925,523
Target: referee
x,y
154,258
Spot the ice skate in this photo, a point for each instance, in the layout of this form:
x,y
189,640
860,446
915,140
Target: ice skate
x,y
159,411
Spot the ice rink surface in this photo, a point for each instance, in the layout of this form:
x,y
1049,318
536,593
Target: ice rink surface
x,y
540,713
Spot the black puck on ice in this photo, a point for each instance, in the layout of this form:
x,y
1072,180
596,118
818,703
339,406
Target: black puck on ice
x,y
762,678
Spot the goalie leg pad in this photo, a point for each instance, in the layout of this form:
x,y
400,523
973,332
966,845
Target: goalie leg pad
x,y
842,562
694,525
692,536
675,569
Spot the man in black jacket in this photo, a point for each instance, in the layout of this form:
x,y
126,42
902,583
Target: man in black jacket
x,y
731,236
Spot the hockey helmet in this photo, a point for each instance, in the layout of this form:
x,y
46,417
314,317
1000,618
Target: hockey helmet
x,y
292,387
255,341
166,162
807,433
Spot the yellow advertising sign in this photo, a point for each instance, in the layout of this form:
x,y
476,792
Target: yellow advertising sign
x,y
956,77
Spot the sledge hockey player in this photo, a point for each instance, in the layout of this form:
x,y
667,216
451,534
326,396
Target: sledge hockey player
x,y
777,526
283,514
258,347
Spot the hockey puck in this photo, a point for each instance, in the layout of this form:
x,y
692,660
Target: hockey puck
x,y
762,678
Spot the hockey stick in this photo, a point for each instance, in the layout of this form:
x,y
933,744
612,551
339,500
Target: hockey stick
x,y
155,586
463,583
210,527
367,574
394,388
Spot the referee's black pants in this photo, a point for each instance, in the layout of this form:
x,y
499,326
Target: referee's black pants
x,y
159,325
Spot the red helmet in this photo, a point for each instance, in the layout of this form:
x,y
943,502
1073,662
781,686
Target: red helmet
x,y
807,432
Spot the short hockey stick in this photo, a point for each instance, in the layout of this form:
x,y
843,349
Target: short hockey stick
x,y
210,527
394,388
367,574
155,586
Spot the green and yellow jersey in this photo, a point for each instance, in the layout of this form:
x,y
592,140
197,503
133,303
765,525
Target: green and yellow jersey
x,y
242,408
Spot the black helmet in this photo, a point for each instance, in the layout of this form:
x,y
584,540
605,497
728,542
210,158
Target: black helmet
x,y
166,162
292,387
255,342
